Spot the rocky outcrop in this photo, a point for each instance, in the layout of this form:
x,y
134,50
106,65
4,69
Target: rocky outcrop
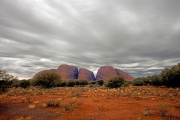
x,y
125,75
68,72
85,74
105,72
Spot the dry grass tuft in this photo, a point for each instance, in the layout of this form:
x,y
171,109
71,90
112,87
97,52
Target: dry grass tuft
x,y
32,106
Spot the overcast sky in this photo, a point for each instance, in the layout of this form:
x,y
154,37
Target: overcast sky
x,y
141,37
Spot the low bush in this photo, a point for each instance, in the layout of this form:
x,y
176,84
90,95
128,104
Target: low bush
x,y
63,84
47,79
138,82
164,109
81,82
127,83
100,82
115,82
92,82
24,83
71,83
52,103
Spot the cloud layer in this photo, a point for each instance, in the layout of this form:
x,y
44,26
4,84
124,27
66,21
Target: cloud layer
x,y
139,37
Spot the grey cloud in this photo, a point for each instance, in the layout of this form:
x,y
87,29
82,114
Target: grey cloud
x,y
140,37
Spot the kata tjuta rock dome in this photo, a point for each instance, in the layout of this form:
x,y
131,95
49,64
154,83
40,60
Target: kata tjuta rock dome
x,y
69,72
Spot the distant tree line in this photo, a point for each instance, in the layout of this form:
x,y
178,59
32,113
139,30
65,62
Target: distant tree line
x,y
168,77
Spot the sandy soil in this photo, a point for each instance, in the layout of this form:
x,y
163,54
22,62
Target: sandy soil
x,y
91,103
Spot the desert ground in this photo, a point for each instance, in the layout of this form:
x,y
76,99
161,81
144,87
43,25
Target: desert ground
x,y
91,103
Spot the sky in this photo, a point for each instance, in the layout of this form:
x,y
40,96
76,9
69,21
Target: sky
x,y
141,37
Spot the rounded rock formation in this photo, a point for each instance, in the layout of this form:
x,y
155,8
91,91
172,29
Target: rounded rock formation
x,y
105,72
68,72
125,75
85,74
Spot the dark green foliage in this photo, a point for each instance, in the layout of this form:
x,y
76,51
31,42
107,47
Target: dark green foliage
x,y
115,82
63,84
93,82
16,84
71,83
138,82
47,79
100,82
3,86
6,80
154,80
168,77
127,83
81,82
24,83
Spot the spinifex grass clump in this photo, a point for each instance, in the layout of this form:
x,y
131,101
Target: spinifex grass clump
x,y
52,103
163,109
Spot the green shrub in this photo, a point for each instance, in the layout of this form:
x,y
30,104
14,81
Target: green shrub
x,y
81,82
71,83
127,83
3,86
24,83
63,84
93,82
15,85
115,82
47,79
138,82
100,82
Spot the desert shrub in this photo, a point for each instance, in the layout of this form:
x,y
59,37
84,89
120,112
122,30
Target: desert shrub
x,y
114,82
138,82
24,83
155,80
63,84
127,83
81,82
92,82
15,85
47,79
164,109
100,82
71,83
172,77
6,80
52,103
147,112
3,86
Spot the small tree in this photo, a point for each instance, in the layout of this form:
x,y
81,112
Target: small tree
x,y
138,82
24,83
115,82
6,80
46,79
100,82
4,76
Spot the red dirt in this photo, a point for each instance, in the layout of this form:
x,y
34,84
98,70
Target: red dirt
x,y
85,103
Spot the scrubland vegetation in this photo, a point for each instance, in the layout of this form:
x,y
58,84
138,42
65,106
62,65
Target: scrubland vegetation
x,y
47,96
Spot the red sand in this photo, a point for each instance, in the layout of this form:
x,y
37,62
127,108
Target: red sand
x,y
130,103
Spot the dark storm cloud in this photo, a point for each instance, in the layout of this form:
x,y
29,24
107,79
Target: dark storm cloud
x,y
140,37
